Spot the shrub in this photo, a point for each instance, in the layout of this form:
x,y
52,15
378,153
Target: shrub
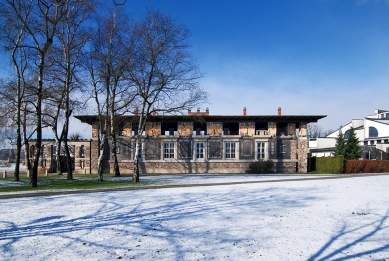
x,y
366,166
330,164
261,166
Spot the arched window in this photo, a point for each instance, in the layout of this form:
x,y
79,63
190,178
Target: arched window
x,y
347,134
373,132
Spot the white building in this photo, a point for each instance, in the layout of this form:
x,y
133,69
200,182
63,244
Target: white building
x,y
372,131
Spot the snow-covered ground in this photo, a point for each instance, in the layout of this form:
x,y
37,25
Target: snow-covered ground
x,y
178,179
335,219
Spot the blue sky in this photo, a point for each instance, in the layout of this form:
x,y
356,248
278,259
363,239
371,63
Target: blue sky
x,y
322,57
310,57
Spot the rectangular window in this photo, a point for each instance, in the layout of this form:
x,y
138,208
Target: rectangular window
x,y
230,150
168,150
261,150
282,149
199,150
82,151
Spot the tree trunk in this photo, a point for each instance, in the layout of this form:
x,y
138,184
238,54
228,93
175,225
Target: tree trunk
x,y
18,131
18,146
100,160
65,135
142,121
26,145
58,158
38,143
68,161
135,176
114,149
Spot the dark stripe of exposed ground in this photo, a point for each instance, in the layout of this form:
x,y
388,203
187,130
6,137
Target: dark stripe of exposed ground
x,y
84,191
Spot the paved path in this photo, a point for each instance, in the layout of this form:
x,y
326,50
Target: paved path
x,y
83,191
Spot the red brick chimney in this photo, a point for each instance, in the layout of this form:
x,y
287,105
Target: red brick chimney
x,y
244,111
198,112
136,112
279,111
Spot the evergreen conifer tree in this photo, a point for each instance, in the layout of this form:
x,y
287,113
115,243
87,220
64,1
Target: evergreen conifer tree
x,y
353,150
340,147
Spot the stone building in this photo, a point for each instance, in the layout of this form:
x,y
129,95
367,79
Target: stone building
x,y
202,143
79,152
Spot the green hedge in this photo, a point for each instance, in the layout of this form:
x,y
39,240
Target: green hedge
x,y
333,165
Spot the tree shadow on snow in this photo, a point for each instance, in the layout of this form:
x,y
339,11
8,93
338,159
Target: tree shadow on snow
x,y
215,218
346,244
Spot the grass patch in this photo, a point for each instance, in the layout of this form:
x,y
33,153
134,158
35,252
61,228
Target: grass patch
x,y
60,182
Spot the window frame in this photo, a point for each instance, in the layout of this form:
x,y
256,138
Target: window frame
x,y
201,152
82,151
169,150
230,150
373,132
261,145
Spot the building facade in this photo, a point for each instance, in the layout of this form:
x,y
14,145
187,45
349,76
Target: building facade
x,y
203,143
372,132
79,152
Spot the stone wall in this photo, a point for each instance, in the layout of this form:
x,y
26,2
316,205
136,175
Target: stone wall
x,y
187,167
286,167
214,129
246,149
94,155
291,160
185,129
293,149
247,128
302,154
183,167
153,129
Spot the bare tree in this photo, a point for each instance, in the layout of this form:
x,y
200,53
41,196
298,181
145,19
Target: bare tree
x,y
72,36
39,20
108,64
75,136
9,120
316,131
102,110
163,72
13,31
36,31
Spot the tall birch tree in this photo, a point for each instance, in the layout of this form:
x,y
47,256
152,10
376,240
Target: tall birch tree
x,y
163,71
72,35
39,20
109,59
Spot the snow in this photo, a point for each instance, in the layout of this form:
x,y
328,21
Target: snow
x,y
319,219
